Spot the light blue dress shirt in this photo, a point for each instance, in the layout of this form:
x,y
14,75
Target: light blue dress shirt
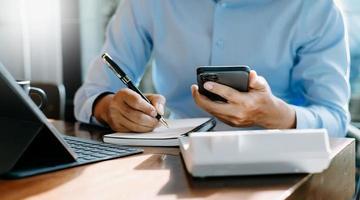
x,y
299,46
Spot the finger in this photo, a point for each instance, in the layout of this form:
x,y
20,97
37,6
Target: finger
x,y
138,117
115,126
136,102
157,98
205,103
158,101
132,126
257,82
194,88
217,109
224,91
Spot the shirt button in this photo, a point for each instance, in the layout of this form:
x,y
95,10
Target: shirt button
x,y
220,44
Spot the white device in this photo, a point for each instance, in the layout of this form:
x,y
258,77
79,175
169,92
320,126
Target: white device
x,y
256,152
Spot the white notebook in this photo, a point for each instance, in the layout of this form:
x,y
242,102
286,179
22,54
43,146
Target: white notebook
x,y
162,136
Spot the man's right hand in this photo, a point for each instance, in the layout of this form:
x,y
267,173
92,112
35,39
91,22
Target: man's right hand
x,y
126,111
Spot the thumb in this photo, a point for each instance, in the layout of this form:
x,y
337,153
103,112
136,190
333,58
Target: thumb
x,y
257,82
158,101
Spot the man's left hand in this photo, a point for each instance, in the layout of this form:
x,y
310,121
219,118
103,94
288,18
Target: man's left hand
x,y
256,107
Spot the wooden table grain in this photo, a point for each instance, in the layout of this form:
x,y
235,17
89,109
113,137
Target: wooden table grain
x,y
159,173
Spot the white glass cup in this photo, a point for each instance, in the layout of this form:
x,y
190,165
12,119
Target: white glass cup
x,y
25,85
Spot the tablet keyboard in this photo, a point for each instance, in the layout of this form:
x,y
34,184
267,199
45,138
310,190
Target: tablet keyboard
x,y
91,151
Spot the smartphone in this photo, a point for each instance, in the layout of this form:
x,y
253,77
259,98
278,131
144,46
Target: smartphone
x,y
236,76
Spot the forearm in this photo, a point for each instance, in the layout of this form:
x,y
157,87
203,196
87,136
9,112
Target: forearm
x,y
281,115
320,78
317,116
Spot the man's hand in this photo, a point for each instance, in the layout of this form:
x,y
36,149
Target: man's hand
x,y
256,107
126,111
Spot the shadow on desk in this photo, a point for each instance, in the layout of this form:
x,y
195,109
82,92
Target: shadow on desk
x,y
36,185
189,187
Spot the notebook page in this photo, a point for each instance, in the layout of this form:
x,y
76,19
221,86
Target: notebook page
x,y
177,128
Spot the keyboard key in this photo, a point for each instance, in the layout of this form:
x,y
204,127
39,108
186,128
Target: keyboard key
x,y
98,155
87,151
109,153
119,151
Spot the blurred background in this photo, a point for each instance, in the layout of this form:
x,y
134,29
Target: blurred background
x,y
52,43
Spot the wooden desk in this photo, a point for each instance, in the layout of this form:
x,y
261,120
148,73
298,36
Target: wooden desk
x,y
160,173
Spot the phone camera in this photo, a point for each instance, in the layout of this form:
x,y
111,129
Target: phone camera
x,y
209,77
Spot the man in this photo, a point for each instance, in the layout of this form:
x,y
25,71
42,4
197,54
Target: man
x,y
297,50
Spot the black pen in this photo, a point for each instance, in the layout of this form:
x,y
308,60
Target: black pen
x,y
127,81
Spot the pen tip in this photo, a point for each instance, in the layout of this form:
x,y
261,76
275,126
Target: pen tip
x,y
162,120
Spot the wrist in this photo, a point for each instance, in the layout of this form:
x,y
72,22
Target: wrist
x,y
101,109
280,115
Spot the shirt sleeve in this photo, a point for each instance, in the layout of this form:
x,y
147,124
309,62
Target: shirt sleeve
x,y
129,43
321,74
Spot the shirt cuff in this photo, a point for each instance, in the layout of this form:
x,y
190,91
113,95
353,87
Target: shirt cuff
x,y
88,107
304,118
98,97
94,121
